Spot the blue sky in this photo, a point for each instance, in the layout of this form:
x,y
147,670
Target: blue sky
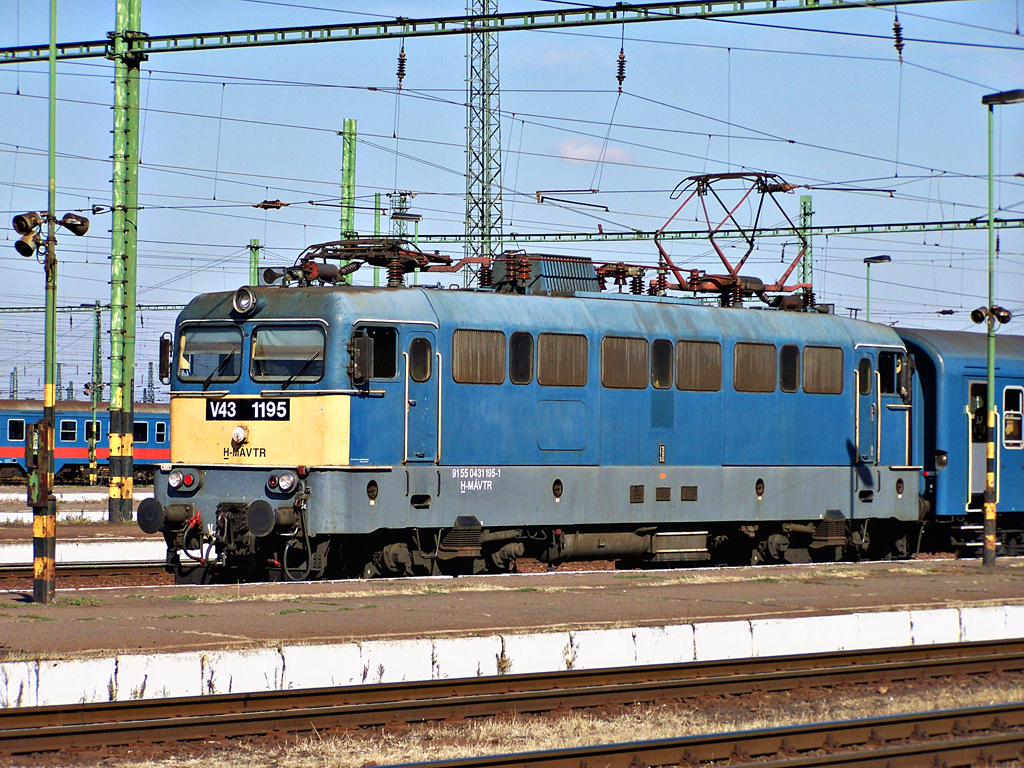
x,y
819,98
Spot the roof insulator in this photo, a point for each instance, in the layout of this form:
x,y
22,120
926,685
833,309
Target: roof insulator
x,y
401,67
897,33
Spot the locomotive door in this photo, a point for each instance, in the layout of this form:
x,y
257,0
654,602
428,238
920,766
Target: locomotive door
x,y
422,396
866,413
894,408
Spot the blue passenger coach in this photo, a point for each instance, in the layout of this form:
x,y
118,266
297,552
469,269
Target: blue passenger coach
x,y
323,430
951,378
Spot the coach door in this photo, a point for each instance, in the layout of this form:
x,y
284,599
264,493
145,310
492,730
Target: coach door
x,y
977,415
422,374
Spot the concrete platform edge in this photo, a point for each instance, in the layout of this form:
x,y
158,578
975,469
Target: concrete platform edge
x,y
291,666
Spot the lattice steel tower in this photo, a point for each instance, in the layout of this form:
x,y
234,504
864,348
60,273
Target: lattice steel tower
x,y
483,137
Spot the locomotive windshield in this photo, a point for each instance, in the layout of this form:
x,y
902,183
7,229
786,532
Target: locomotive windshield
x,y
287,354
210,354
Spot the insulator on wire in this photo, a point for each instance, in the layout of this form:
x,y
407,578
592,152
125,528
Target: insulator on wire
x,y
622,68
897,33
401,67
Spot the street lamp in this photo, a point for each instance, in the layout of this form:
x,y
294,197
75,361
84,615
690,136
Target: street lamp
x,y
883,259
988,557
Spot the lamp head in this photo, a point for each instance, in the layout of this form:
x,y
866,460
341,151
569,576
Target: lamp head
x,y
27,245
882,259
978,315
78,225
1001,314
24,223
1004,97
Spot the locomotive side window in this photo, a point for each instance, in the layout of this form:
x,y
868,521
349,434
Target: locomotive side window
x,y
889,366
210,354
420,359
699,366
287,353
1013,406
661,363
789,368
161,431
88,430
68,430
520,358
864,374
753,367
562,360
478,357
823,370
141,432
16,430
385,350
624,363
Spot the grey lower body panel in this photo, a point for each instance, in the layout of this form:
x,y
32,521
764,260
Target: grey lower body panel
x,y
429,496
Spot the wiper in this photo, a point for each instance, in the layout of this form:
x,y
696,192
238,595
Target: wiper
x,y
301,370
218,371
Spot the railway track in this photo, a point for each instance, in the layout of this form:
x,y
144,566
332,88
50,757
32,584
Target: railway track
x,y
87,574
956,737
49,729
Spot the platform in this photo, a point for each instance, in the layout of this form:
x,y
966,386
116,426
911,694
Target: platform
x,y
95,644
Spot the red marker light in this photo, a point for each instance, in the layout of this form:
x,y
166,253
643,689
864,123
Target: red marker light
x,y
272,482
189,479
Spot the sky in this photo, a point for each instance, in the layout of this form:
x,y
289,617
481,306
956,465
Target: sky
x,y
819,98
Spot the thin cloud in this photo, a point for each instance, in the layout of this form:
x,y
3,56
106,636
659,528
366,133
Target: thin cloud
x,y
583,149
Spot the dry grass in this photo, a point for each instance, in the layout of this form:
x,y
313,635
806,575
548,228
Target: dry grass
x,y
515,733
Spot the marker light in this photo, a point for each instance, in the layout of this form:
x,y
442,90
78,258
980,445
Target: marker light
x,y
272,482
175,479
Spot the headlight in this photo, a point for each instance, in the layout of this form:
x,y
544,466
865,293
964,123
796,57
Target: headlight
x,y
286,482
175,479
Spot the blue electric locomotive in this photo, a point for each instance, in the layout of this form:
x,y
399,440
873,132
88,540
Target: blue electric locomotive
x,y
72,431
339,430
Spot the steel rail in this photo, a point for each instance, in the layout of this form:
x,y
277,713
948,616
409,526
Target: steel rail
x,y
51,728
958,737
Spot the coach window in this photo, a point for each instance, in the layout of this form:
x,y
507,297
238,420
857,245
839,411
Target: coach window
x,y
161,431
210,354
864,375
68,430
520,358
699,366
823,370
287,354
141,432
16,430
1013,405
789,368
753,367
624,363
419,359
661,363
562,360
478,357
385,350
88,429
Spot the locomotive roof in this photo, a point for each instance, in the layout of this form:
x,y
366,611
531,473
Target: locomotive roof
x,y
610,312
